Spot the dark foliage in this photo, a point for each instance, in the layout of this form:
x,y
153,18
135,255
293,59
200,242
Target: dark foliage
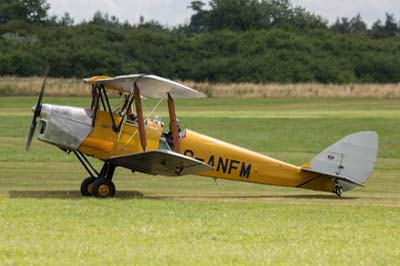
x,y
228,41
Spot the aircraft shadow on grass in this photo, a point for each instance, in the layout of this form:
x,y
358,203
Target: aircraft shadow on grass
x,y
73,194
67,194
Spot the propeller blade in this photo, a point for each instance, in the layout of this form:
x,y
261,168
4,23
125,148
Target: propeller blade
x,y
43,85
31,132
37,111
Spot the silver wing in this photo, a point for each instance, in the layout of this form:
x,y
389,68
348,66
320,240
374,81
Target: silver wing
x,y
149,85
161,162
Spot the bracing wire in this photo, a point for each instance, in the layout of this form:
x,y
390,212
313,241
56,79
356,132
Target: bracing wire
x,y
135,133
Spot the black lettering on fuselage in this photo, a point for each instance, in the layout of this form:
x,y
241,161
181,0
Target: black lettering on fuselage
x,y
211,161
227,166
232,165
222,165
245,171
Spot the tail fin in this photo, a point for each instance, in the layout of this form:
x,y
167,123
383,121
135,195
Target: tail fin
x,y
350,161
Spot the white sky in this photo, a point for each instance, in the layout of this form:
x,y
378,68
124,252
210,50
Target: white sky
x,y
174,12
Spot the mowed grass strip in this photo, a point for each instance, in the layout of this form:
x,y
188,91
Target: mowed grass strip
x,y
193,220
152,232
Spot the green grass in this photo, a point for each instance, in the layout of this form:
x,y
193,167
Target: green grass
x,y
141,232
191,220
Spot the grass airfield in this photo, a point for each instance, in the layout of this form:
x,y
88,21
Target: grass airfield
x,y
195,220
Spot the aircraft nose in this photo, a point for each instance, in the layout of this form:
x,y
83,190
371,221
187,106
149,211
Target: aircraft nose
x,y
43,111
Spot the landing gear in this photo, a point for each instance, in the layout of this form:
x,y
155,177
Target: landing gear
x,y
87,186
337,189
97,184
103,188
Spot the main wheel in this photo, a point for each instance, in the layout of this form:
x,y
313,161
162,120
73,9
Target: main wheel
x,y
103,188
87,186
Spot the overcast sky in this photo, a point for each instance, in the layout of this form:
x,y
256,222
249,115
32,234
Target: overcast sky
x,y
174,12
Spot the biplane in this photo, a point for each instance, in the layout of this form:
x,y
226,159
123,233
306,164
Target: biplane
x,y
123,137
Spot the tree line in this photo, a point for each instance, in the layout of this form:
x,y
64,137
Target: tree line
x,y
225,41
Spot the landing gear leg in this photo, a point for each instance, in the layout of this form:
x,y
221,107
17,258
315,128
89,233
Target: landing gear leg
x,y
103,187
337,189
97,184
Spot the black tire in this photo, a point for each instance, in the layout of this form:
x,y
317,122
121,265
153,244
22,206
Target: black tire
x,y
87,186
103,188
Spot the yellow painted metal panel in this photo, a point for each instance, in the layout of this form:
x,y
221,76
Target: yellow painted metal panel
x,y
230,162
99,143
239,164
104,143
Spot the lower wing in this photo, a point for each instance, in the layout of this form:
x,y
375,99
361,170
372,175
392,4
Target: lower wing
x,y
161,162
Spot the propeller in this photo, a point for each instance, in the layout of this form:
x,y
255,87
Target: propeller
x,y
37,111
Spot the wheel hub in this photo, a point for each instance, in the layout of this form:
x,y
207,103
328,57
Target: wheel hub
x,y
104,190
90,188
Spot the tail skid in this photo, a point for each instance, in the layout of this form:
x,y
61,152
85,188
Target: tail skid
x,y
350,161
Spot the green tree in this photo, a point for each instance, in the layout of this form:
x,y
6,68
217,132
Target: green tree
x,y
390,25
357,24
387,30
66,20
151,25
344,25
237,15
242,15
377,29
341,25
25,10
197,21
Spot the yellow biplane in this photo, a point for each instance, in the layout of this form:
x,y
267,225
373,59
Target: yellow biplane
x,y
124,138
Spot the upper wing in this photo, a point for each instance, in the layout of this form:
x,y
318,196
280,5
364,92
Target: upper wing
x,y
149,85
161,162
